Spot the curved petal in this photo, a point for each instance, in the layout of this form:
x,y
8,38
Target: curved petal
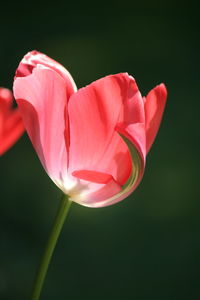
x,y
132,120
42,100
11,125
102,190
35,59
154,104
94,112
97,152
6,99
95,194
12,131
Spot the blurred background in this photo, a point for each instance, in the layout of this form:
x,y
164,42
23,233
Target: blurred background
x,y
147,246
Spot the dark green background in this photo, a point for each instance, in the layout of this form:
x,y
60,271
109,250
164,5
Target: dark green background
x,y
147,246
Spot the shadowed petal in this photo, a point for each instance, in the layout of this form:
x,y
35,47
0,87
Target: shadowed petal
x,y
102,190
42,100
96,188
132,120
11,125
94,112
154,106
35,59
12,131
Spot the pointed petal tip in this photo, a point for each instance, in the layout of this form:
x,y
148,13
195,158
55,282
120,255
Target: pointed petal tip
x,y
154,107
161,88
6,95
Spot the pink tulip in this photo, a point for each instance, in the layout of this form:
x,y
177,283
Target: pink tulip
x,y
11,125
83,138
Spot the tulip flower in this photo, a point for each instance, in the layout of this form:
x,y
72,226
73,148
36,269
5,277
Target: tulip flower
x,y
93,141
11,125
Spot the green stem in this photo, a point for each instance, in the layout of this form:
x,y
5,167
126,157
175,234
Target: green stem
x,y
55,232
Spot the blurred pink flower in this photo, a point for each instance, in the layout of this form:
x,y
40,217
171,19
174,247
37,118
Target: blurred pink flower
x,y
11,125
81,137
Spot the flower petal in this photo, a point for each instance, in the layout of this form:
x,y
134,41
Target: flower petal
x,y
35,59
102,190
154,106
42,100
93,176
11,125
97,193
6,97
94,112
12,130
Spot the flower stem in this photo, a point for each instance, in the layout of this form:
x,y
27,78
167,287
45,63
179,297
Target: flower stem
x,y
48,252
